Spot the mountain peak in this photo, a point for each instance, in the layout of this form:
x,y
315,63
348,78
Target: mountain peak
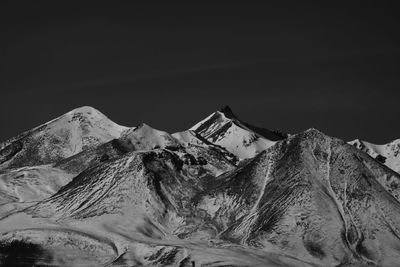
x,y
314,131
87,109
84,113
223,128
227,111
77,130
314,134
198,197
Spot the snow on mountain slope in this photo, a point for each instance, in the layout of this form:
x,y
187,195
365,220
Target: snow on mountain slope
x,y
190,138
148,189
143,197
30,184
135,140
310,197
145,137
389,154
92,157
146,177
223,128
60,138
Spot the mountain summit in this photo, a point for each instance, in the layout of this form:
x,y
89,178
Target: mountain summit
x,y
85,191
65,136
225,129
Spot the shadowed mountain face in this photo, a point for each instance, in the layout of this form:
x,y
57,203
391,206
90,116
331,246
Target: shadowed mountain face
x,y
223,193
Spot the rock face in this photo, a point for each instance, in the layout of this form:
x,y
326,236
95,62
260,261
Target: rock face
x,y
202,198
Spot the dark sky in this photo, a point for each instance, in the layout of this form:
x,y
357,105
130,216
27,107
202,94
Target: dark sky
x,y
288,67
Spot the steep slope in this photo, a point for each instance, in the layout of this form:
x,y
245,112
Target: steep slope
x,y
38,182
148,189
313,197
145,138
112,196
223,128
147,177
69,134
389,154
152,192
190,138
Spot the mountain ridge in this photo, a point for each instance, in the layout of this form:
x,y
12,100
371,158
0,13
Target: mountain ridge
x,y
217,194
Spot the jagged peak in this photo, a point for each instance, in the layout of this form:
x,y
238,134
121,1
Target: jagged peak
x,y
210,119
227,111
223,115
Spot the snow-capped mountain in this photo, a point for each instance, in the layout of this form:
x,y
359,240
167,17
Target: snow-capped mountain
x,y
67,135
223,193
388,154
225,129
